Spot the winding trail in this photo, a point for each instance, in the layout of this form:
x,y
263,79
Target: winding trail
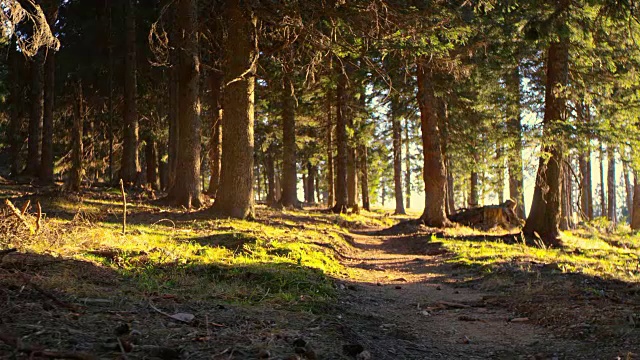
x,y
405,302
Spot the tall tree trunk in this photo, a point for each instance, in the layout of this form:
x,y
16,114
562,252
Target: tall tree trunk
x,y
566,222
76,172
364,174
611,186
34,143
110,87
311,181
187,191
352,178
46,160
603,193
271,176
289,176
235,194
174,93
215,143
515,166
544,218
407,164
451,204
628,187
473,191
341,192
635,213
330,172
130,163
397,156
585,191
151,158
435,172
16,102
500,173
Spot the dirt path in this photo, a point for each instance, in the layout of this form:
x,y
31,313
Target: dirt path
x,y
404,303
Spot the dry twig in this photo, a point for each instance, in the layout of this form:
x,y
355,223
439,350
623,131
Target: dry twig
x,y
19,215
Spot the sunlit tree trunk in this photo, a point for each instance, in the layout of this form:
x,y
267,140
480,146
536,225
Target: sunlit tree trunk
x,y
628,188
330,166
603,199
151,158
586,203
515,166
474,197
544,217
407,164
635,213
186,189
215,143
289,149
611,186
341,192
396,127
235,194
435,173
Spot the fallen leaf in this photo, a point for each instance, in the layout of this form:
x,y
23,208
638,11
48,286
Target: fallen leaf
x,y
184,317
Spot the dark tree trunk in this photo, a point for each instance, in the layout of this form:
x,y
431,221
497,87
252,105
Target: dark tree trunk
x,y
341,192
235,195
407,164
451,204
396,127
15,100
271,176
635,213
76,172
186,190
628,187
215,143
364,174
352,179
289,176
130,163
544,218
603,193
611,186
330,172
174,93
151,158
435,173
310,192
46,160
586,203
36,99
110,86
515,166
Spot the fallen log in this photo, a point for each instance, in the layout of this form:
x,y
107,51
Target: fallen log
x,y
490,216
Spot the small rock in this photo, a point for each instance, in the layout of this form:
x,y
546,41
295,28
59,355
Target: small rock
x,y
299,343
438,287
398,287
365,355
456,292
352,349
264,354
379,284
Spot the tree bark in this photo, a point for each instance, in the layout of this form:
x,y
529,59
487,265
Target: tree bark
x,y
215,143
75,175
34,142
271,176
235,195
130,163
15,100
628,189
407,164
603,193
364,174
151,158
186,191
544,218
173,94
566,222
515,166
611,186
451,204
341,192
435,173
330,172
289,176
635,213
310,192
397,156
585,191
473,191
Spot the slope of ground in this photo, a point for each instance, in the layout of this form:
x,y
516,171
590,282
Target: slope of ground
x,y
301,285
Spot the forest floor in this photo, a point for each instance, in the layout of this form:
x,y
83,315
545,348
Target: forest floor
x,y
302,285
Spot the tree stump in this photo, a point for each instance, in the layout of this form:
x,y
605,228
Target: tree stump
x,y
490,216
